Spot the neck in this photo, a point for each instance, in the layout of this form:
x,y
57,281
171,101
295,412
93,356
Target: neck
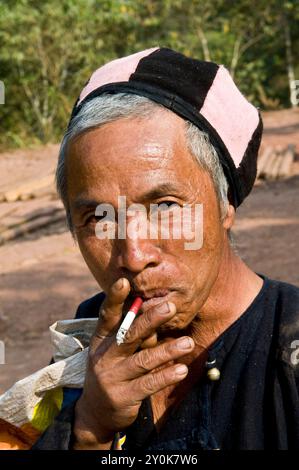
x,y
235,288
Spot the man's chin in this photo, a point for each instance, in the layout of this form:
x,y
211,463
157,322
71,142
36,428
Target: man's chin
x,y
174,327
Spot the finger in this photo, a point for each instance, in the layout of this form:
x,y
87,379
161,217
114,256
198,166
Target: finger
x,y
144,326
153,382
150,342
149,359
147,323
111,309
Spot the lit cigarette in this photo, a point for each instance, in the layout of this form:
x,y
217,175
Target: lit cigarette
x,y
128,320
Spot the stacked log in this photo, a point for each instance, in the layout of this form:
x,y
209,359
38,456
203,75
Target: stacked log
x,y
36,220
29,189
274,164
262,161
288,159
273,169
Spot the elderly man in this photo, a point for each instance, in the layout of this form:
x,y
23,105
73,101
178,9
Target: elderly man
x,y
209,361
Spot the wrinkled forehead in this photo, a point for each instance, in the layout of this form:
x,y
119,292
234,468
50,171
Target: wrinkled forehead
x,y
130,155
158,137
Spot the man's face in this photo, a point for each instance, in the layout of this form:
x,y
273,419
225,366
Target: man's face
x,y
146,160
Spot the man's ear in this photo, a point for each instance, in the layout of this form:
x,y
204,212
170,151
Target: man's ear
x,y
229,218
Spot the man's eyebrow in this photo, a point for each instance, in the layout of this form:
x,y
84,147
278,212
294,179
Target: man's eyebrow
x,y
155,193
160,191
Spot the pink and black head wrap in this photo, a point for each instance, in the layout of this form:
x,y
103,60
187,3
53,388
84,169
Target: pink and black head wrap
x,y
201,92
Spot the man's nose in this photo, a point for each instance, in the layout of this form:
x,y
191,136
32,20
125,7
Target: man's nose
x,y
137,254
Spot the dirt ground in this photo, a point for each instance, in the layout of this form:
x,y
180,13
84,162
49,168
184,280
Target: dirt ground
x,y
43,277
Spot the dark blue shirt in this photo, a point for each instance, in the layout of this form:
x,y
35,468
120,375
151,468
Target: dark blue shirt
x,y
254,404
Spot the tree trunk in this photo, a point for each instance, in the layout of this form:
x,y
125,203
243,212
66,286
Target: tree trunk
x,y
235,57
204,44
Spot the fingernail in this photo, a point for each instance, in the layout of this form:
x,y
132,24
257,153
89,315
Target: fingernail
x,y
163,308
181,369
184,343
120,283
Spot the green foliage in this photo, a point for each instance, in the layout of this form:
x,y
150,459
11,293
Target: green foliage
x,y
49,49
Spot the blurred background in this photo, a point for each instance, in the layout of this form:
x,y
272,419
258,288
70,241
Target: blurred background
x,y
48,51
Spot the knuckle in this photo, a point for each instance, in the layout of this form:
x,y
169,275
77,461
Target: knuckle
x,y
165,350
131,335
154,382
107,311
107,323
139,329
103,313
143,360
145,323
150,383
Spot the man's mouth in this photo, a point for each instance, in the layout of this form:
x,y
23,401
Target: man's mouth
x,y
152,297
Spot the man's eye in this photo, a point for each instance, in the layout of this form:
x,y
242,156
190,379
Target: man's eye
x,y
164,206
96,218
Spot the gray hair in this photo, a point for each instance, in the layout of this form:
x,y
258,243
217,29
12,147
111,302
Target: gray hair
x,y
108,108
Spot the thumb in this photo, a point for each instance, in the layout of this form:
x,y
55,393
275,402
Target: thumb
x,y
111,310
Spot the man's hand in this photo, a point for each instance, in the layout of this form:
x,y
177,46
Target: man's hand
x,y
118,378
